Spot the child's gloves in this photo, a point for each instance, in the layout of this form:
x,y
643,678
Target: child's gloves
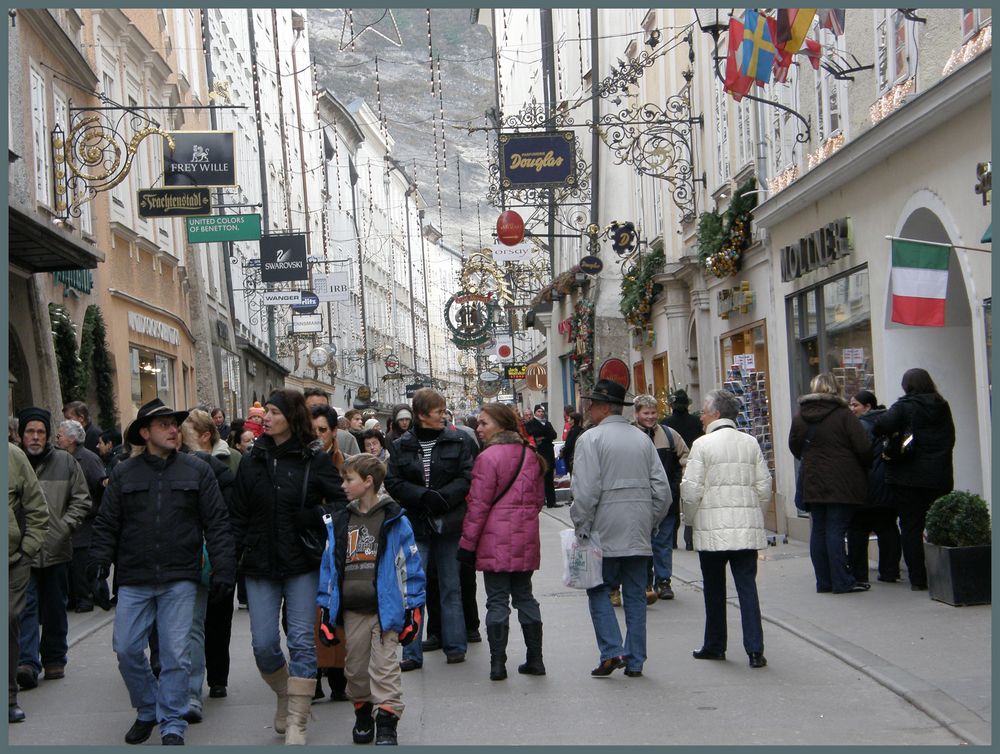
x,y
411,625
327,631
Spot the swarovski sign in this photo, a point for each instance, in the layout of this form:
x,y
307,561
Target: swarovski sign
x,y
283,258
819,249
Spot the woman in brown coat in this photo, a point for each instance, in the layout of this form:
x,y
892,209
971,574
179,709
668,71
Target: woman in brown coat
x,y
835,452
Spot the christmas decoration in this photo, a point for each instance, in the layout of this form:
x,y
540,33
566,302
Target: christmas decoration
x,y
639,291
582,333
723,238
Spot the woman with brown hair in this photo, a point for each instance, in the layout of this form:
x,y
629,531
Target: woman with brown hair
x,y
500,533
284,487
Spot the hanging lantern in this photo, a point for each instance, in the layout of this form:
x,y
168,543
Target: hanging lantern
x,y
510,228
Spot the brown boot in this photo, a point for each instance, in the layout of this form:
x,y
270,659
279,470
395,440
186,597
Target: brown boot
x,y
300,691
278,681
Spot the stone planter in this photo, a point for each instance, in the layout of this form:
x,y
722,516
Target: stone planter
x,y
958,575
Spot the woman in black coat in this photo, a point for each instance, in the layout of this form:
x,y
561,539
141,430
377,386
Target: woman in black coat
x,y
283,488
569,448
835,453
878,515
922,473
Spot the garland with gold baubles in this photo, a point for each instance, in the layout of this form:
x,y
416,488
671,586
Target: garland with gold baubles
x,y
639,291
722,239
581,334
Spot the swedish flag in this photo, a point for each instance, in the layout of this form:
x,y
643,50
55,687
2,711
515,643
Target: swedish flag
x,y
757,52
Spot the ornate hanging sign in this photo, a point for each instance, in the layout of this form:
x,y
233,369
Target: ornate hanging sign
x,y
469,317
535,160
510,228
200,158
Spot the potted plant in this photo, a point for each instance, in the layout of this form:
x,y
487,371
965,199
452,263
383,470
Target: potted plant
x,y
957,550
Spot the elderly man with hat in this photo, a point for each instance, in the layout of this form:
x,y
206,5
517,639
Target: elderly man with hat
x,y
65,488
690,429
621,494
158,508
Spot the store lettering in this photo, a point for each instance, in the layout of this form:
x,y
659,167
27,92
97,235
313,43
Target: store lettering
x,y
144,325
548,160
819,249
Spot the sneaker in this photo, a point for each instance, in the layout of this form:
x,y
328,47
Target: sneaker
x,y
455,659
14,713
217,692
241,605
172,739
55,672
27,677
663,590
364,723
407,665
140,731
192,716
431,643
616,597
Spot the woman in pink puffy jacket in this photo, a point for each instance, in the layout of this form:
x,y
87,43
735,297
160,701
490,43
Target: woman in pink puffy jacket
x,y
500,533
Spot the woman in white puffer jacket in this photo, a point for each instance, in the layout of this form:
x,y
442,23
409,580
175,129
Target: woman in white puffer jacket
x,y
725,485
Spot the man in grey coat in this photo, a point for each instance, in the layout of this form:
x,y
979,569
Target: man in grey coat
x,y
620,496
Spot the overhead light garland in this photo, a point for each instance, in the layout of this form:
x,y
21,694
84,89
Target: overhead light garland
x,y
349,24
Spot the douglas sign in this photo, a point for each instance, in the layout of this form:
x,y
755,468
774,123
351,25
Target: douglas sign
x,y
534,160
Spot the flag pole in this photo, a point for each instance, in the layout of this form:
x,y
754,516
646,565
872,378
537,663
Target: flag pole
x,y
936,243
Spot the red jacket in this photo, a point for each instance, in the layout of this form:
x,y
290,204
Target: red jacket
x,y
504,535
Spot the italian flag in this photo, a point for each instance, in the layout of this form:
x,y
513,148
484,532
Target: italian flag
x,y
919,282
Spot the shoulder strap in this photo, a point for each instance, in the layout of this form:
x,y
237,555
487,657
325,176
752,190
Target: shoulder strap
x,y
517,473
305,481
670,438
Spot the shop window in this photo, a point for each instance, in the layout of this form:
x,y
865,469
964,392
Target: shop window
x,y
152,377
834,335
894,43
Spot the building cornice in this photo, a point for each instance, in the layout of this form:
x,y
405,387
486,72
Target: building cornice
x,y
947,99
59,41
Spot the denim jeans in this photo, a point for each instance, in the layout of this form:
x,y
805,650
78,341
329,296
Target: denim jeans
x,y
743,564
502,589
196,648
264,605
663,548
171,607
827,549
631,573
442,550
45,607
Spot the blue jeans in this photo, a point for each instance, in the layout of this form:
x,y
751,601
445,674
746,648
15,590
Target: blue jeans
x,y
743,564
264,605
663,548
442,550
196,647
827,549
45,607
171,607
631,573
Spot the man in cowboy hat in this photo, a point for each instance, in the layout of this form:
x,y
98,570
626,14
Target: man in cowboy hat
x,y
158,508
620,495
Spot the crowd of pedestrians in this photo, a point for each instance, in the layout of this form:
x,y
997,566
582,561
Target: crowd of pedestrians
x,y
347,541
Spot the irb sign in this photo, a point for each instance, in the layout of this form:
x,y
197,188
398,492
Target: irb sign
x,y
334,286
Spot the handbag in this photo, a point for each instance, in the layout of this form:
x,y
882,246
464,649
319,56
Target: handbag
x,y
897,446
313,540
800,504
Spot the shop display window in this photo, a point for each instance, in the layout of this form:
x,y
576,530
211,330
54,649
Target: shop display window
x,y
834,335
152,377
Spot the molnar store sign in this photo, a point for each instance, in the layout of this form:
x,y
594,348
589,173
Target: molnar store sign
x,y
819,249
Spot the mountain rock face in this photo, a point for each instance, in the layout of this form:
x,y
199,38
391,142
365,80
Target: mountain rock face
x,y
468,87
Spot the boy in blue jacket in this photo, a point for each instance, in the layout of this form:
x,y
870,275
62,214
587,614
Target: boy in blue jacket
x,y
372,584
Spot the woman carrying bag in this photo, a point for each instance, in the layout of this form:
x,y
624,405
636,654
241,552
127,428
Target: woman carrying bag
x,y
500,533
283,488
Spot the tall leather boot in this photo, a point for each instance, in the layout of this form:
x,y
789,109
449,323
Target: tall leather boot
x,y
533,641
278,681
496,634
300,691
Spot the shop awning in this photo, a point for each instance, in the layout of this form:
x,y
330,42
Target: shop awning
x,y
40,247
988,235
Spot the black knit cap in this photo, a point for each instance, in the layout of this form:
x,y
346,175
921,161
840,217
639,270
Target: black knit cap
x,y
277,399
34,413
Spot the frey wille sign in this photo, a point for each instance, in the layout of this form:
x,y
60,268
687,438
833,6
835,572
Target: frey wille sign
x,y
200,158
538,160
283,258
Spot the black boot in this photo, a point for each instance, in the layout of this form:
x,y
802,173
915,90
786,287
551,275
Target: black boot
x,y
496,634
533,641
385,728
364,723
319,693
338,684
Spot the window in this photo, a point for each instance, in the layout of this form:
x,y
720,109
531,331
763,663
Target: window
x,y
152,377
194,36
973,19
895,47
181,42
40,138
835,336
721,133
744,133
783,127
831,94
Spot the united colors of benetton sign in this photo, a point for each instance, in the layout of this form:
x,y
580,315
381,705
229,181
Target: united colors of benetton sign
x,y
200,158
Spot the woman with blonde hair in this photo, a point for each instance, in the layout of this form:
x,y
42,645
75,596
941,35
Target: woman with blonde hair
x,y
200,433
835,454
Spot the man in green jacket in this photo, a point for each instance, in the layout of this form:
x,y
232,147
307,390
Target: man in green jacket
x,y
68,498
27,524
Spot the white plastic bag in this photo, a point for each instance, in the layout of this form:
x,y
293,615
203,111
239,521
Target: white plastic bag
x,y
583,561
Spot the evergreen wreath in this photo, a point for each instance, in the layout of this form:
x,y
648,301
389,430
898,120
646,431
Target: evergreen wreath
x,y
67,362
723,238
96,366
639,291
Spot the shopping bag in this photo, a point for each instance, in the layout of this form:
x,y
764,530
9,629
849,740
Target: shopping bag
x,y
582,561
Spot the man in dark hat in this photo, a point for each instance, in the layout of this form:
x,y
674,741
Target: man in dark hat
x,y
620,496
158,508
44,624
690,429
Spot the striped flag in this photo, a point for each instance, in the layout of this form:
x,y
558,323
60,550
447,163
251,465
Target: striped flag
x,y
919,282
793,25
833,19
757,51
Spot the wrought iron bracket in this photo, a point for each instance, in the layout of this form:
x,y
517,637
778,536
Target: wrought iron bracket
x,y
842,70
910,14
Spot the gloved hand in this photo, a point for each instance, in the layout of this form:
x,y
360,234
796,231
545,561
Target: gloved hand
x,y
466,556
434,503
220,591
411,625
327,631
97,571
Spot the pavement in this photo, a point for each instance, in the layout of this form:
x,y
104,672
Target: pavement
x,y
889,667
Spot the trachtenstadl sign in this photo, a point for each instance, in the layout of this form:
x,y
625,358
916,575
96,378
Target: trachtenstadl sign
x,y
200,158
140,323
819,249
283,258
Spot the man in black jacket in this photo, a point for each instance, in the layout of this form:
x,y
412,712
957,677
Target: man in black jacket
x,y
545,434
157,510
690,429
